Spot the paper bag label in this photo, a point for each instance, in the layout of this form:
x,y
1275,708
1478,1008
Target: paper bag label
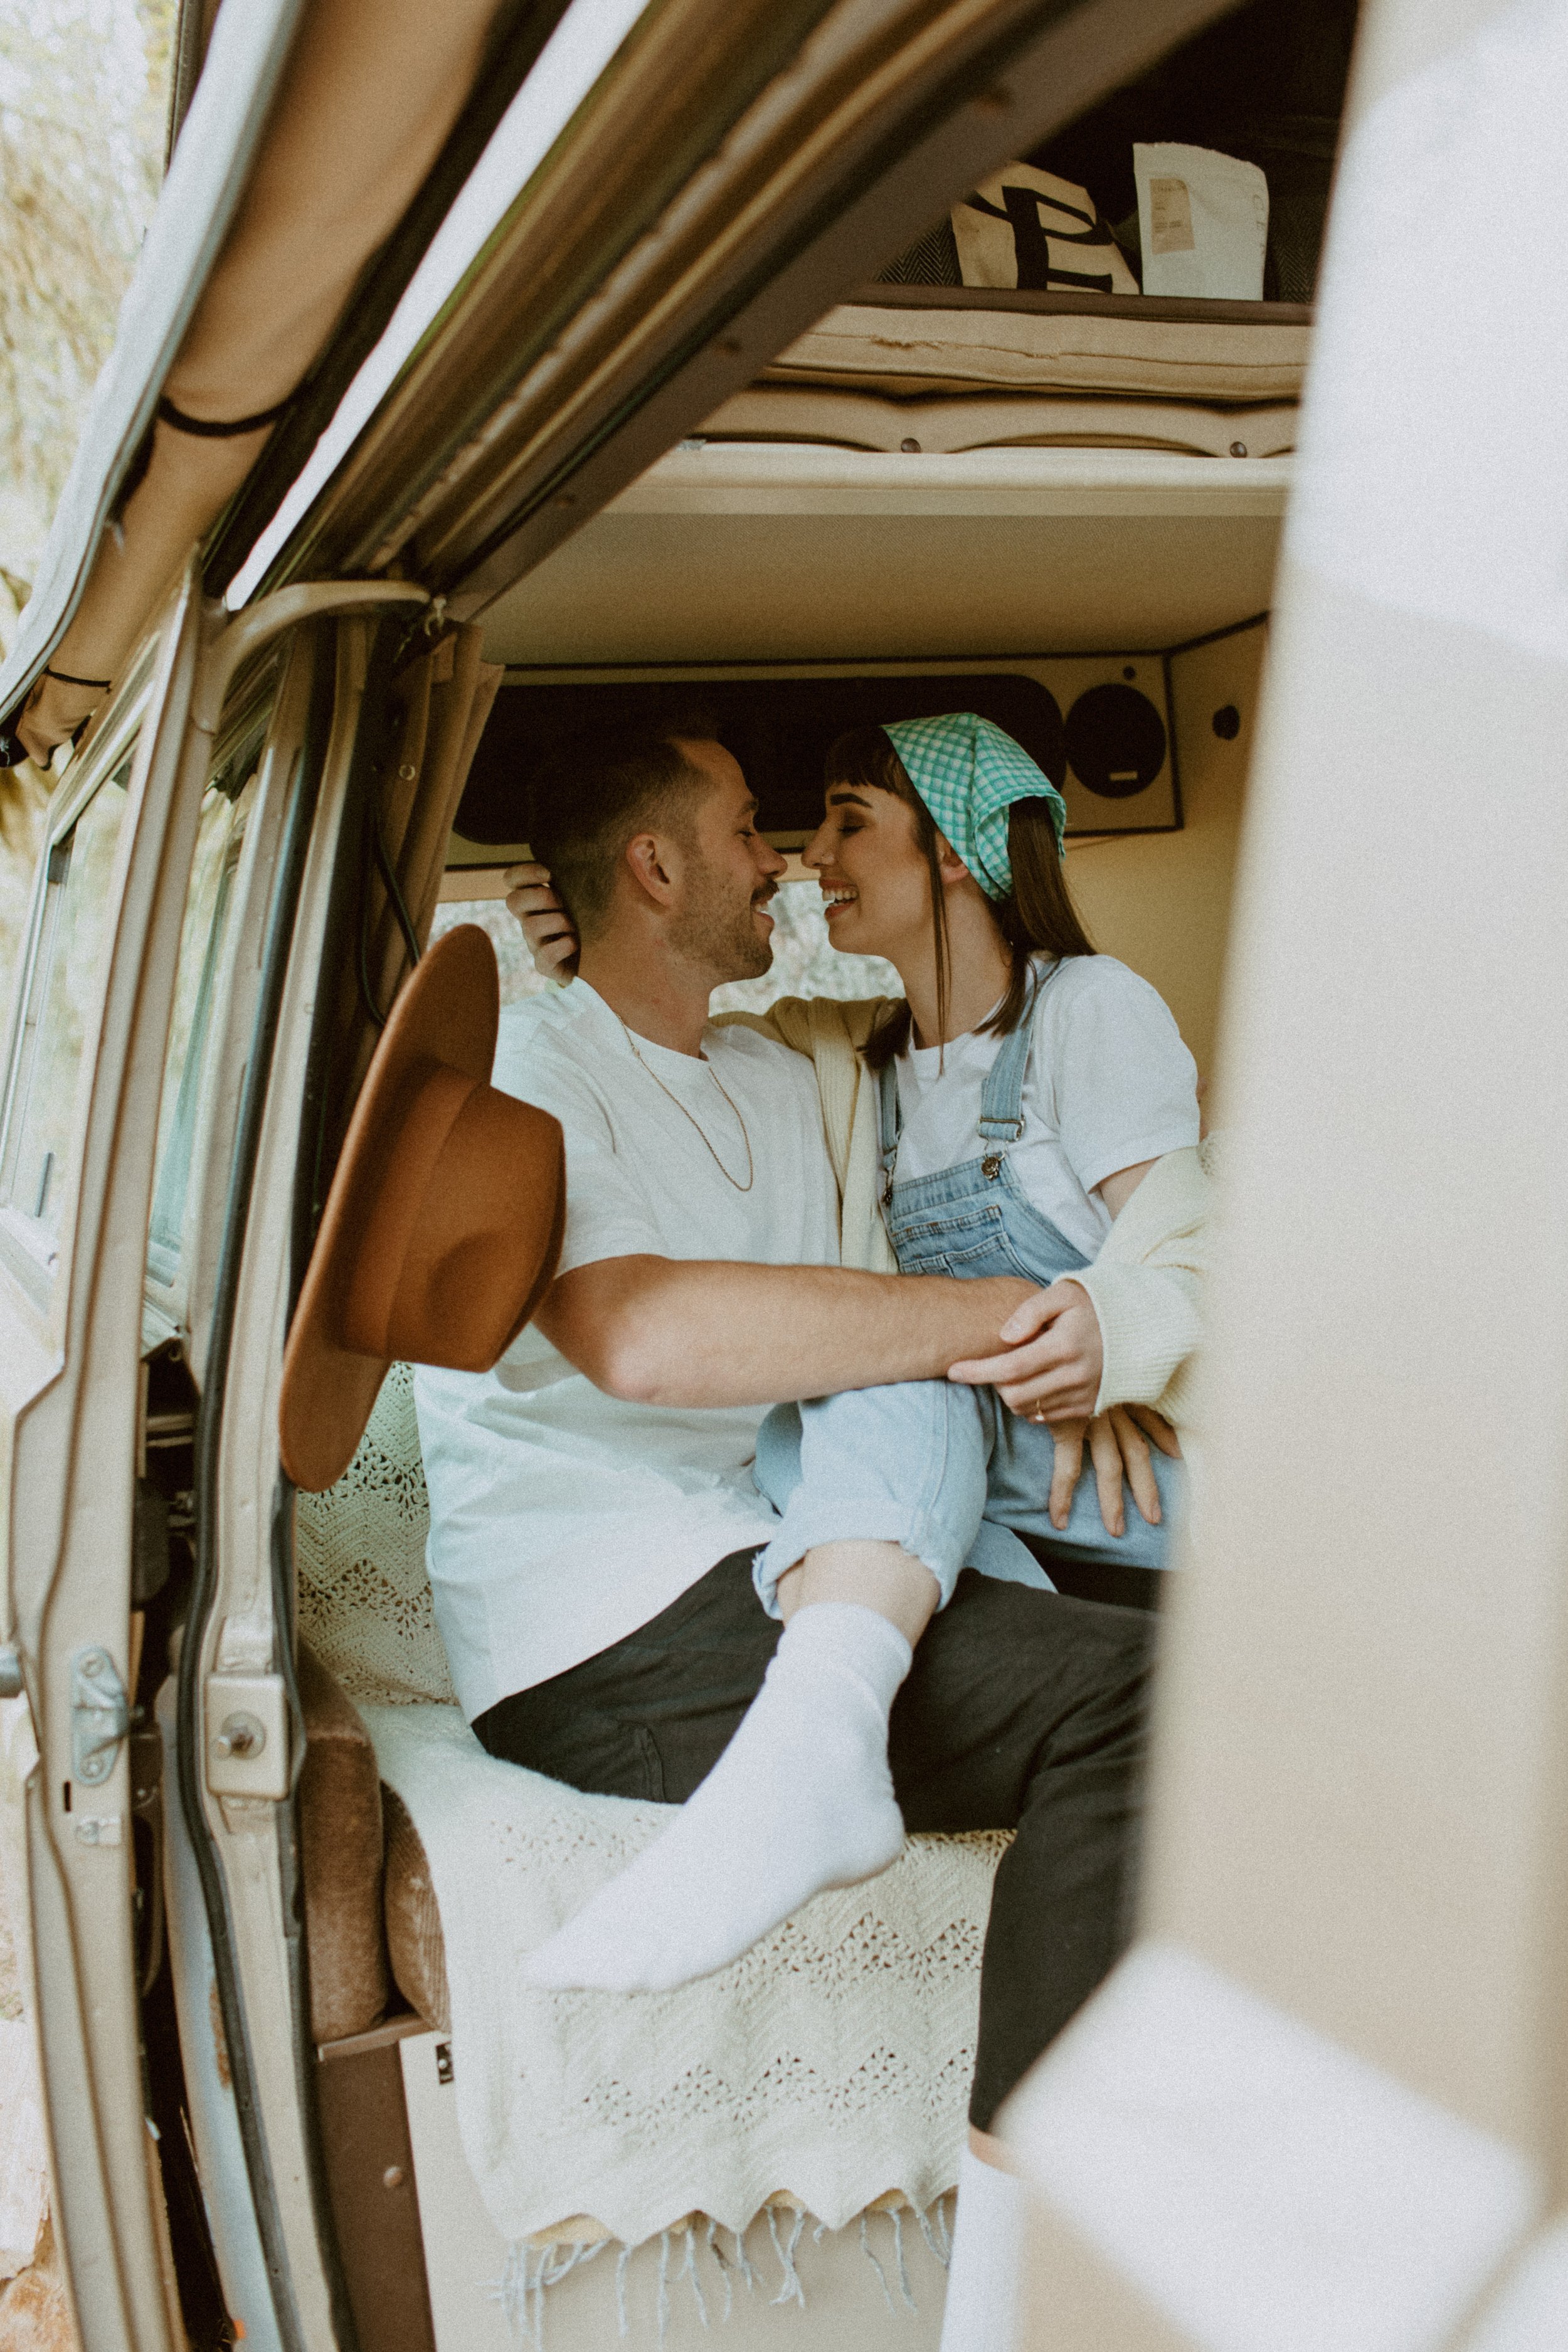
x,y
1171,216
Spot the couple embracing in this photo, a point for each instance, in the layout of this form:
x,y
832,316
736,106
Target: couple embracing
x,y
739,1523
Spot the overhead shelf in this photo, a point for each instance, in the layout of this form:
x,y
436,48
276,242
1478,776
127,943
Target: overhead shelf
x,y
738,552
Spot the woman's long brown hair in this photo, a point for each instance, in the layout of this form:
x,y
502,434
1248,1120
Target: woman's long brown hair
x,y
1036,917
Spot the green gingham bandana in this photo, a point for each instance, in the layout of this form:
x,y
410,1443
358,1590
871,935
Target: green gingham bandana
x,y
969,772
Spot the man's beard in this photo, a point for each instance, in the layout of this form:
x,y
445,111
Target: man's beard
x,y
715,929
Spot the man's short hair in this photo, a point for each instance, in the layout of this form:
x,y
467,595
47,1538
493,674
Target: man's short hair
x,y
599,790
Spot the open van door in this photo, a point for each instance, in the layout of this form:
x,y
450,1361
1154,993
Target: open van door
x,y
1321,2104
80,1111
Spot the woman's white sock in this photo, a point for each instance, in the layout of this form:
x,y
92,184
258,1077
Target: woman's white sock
x,y
801,1798
981,2313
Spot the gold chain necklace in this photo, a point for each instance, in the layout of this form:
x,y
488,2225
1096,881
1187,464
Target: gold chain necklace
x,y
681,1107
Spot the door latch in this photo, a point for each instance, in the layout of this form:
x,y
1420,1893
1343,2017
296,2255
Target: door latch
x,y
247,1743
101,1715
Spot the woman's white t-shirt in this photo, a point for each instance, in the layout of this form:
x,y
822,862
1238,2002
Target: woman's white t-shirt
x,y
1108,1083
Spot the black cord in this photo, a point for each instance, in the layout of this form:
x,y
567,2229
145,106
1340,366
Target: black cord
x,y
399,905
208,428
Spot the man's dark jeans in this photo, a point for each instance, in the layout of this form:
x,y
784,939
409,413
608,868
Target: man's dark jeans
x,y
1023,1711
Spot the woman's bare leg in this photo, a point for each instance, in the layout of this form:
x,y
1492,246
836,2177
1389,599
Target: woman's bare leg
x,y
879,1576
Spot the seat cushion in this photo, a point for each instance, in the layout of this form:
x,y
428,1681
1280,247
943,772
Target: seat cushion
x,y
415,1943
341,1840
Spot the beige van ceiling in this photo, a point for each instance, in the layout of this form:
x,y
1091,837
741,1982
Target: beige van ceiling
x,y
747,553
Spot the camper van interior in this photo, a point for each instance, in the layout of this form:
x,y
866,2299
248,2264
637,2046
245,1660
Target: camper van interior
x,y
1009,472
1059,508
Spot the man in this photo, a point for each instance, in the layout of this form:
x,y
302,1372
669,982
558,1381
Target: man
x,y
593,1515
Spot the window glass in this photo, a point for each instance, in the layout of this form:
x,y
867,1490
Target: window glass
x,y
63,997
206,949
805,963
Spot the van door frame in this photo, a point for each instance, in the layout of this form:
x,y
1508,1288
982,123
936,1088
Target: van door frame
x,y
238,1621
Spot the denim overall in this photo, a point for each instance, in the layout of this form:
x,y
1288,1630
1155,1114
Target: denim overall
x,y
945,1470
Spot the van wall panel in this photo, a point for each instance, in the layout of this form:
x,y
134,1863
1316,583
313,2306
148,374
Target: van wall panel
x,y
1162,901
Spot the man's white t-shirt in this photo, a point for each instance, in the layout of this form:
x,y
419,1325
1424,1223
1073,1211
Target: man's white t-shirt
x,y
1108,1083
562,1519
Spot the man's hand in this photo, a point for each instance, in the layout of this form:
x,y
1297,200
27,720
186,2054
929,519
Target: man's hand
x,y
551,934
1051,1368
1118,1448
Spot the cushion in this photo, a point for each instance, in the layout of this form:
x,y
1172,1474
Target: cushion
x,y
341,1840
414,1937
366,1605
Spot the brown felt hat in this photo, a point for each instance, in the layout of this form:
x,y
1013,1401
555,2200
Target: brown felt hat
x,y
443,1227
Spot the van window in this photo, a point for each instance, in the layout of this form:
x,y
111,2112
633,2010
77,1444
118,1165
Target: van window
x,y
805,963
205,954
62,995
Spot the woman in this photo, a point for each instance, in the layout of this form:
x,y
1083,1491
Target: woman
x,y
1025,1086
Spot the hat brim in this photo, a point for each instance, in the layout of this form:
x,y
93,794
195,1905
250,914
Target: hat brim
x,y
448,1012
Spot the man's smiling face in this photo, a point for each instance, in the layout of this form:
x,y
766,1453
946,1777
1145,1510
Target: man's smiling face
x,y
729,874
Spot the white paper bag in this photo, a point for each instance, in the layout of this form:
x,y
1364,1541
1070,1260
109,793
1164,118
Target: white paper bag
x,y
1024,227
1203,218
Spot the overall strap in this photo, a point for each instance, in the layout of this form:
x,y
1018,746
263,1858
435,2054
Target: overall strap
x,y
887,1122
1002,1095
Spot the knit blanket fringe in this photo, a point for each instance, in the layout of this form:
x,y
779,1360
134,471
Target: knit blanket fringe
x,y
693,2258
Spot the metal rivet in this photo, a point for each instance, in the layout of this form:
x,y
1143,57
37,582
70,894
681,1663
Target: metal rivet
x,y
991,1164
409,771
911,448
393,2177
1239,448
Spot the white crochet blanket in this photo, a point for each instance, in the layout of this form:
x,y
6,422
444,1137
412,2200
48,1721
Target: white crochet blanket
x,y
832,2062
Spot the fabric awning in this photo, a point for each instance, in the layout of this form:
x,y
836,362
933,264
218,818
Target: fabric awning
x,y
309,134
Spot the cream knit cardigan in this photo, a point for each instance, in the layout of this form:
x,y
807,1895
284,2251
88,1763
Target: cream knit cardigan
x,y
1147,1280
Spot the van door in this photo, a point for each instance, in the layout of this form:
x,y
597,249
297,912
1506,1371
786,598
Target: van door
x,y
1324,2101
77,1132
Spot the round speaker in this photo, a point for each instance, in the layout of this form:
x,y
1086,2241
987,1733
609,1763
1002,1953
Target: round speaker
x,y
1115,741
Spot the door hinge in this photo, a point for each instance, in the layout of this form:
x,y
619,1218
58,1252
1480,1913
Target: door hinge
x,y
101,1715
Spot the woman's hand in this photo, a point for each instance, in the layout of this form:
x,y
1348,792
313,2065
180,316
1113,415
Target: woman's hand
x,y
1050,1370
1118,1448
549,930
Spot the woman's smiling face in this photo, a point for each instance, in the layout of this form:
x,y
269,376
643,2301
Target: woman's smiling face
x,y
876,883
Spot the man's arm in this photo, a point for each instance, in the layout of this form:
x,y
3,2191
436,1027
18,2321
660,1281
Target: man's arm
x,y
676,1331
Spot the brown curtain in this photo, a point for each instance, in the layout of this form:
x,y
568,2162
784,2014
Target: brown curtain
x,y
440,701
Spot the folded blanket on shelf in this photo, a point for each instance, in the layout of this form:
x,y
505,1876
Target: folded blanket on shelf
x,y
863,347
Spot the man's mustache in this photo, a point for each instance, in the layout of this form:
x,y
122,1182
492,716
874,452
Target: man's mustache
x,y
769,891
